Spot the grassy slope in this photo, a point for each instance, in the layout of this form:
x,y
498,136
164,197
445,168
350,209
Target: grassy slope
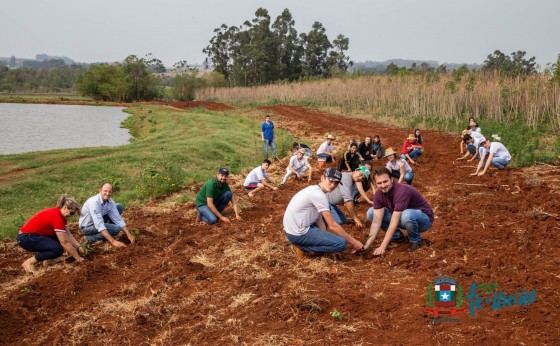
x,y
193,143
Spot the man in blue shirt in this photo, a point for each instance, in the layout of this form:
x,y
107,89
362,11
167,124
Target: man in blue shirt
x,y
267,131
101,218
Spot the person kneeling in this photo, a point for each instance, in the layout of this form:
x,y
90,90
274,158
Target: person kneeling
x,y
213,198
257,179
395,207
308,223
46,233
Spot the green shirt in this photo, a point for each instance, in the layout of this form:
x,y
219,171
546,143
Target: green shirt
x,y
210,189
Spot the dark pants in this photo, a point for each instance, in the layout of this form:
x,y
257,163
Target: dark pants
x,y
47,247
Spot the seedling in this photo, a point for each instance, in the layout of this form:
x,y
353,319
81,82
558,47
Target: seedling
x,y
86,248
26,290
135,232
336,314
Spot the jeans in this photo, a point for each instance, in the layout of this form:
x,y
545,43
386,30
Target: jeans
x,y
289,173
499,162
207,215
317,240
414,221
270,142
408,176
338,215
47,247
471,148
91,234
415,153
325,156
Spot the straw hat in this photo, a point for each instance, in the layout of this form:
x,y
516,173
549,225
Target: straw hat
x,y
389,152
329,136
411,137
302,150
465,132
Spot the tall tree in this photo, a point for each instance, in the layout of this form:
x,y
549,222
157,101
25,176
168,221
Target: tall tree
x,y
142,82
337,58
316,45
289,48
103,82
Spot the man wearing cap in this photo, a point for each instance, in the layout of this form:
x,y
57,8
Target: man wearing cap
x,y
397,206
497,154
344,193
471,141
326,151
411,149
308,222
267,136
398,168
298,165
257,179
213,198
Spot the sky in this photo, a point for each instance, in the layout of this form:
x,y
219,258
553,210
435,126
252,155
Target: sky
x,y
449,31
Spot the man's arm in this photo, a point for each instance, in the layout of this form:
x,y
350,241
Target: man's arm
x,y
465,156
339,231
480,164
235,210
360,188
375,226
265,182
411,160
488,163
474,156
350,207
395,218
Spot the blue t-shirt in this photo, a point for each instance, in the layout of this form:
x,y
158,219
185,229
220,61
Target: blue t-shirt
x,y
268,130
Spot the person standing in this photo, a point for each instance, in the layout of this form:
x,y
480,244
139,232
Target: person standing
x,y
47,234
257,179
298,165
267,134
101,218
397,206
213,198
308,223
495,154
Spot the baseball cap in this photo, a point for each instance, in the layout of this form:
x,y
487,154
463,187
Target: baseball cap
x,y
223,171
364,171
333,174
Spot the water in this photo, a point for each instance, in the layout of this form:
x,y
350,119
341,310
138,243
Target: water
x,y
32,127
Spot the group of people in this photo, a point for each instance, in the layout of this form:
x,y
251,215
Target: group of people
x,y
475,145
312,220
47,235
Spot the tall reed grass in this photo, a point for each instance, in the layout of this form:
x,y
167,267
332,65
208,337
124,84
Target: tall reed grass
x,y
444,98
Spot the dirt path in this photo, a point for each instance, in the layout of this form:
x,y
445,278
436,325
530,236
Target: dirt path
x,y
188,283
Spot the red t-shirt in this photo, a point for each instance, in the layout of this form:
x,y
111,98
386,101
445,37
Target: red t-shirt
x,y
407,146
46,222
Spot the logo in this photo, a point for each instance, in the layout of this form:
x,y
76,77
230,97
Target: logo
x,y
444,297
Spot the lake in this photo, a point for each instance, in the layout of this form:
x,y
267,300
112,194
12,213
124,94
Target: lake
x,y
32,127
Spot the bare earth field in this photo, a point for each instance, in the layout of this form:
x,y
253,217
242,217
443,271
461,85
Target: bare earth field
x,y
191,283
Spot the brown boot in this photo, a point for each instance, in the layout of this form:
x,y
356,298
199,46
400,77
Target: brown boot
x,y
300,255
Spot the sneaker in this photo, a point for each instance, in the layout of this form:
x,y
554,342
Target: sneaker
x,y
300,255
415,246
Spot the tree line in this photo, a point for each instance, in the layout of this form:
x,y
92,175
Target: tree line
x,y
261,51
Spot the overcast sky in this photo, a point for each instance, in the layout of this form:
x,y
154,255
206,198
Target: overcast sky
x,y
172,30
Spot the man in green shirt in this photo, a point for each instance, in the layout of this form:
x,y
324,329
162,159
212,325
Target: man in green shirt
x,y
213,198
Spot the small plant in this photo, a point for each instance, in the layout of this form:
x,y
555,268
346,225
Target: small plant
x,y
26,290
135,232
336,314
85,248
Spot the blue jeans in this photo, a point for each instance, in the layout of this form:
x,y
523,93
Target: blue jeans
x,y
91,234
338,215
325,156
414,221
408,176
499,162
47,247
206,215
317,240
415,154
270,142
471,148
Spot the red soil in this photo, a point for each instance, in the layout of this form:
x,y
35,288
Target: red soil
x,y
190,283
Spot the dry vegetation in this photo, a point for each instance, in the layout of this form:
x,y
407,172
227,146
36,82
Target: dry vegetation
x,y
532,101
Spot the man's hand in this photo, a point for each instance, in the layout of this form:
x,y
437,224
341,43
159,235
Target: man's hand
x,y
480,174
475,173
117,243
274,188
358,246
79,259
237,217
225,219
369,242
131,238
379,251
359,222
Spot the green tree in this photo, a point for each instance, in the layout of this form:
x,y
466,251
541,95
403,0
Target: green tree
x,y
555,72
142,84
289,48
513,66
337,59
316,45
103,82
185,82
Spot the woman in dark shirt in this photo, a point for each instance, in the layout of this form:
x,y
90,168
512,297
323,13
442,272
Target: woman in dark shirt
x,y
366,149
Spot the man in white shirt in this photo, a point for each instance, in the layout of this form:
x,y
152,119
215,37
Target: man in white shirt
x,y
326,150
257,179
497,154
308,222
298,165
101,218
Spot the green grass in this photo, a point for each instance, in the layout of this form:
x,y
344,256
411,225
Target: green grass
x,y
169,148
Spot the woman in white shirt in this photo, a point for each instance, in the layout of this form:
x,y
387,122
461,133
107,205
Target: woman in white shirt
x,y
398,167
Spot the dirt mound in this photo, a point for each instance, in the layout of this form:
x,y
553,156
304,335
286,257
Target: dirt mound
x,y
211,106
191,283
